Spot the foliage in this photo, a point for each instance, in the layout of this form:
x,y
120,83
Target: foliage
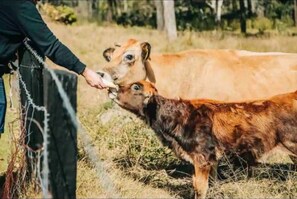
x,y
194,16
62,13
141,13
197,15
281,13
276,9
188,15
262,24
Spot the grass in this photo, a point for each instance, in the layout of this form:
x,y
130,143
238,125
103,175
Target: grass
x,y
4,151
11,115
137,163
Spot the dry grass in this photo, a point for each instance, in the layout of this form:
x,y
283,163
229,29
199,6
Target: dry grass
x,y
139,166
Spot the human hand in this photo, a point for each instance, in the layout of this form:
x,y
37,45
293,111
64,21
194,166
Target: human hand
x,y
93,79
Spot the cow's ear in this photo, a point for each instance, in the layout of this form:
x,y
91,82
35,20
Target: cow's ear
x,y
149,72
107,54
145,51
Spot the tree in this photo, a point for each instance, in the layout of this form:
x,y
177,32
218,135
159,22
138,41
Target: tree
x,y
110,11
295,12
160,15
95,9
219,4
169,19
242,16
251,6
85,8
216,6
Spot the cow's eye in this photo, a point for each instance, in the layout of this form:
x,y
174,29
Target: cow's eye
x,y
129,57
136,87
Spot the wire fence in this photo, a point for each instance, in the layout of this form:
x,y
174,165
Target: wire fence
x,y
44,178
42,153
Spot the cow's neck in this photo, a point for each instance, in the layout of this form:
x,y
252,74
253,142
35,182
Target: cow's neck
x,y
168,118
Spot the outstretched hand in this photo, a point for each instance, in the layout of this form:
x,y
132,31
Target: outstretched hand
x,y
93,79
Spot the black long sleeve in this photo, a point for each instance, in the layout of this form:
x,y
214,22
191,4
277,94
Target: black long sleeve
x,y
20,19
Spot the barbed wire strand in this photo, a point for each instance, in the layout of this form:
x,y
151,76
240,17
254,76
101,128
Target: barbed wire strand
x,y
104,177
45,168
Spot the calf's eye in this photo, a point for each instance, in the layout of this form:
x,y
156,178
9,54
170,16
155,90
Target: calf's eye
x,y
136,87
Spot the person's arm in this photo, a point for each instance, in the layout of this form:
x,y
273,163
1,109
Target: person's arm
x,y
32,26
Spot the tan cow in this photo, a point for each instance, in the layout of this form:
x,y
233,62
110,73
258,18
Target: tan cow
x,y
216,74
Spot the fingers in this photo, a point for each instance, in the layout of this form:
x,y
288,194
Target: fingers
x,y
97,85
93,79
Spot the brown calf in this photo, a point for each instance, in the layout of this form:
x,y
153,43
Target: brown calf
x,y
200,130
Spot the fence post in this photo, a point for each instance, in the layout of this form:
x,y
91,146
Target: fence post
x,y
62,148
63,135
31,74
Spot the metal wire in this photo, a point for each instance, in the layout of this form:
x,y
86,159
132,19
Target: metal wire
x,y
45,169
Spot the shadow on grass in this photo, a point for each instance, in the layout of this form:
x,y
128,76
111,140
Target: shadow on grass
x,y
179,176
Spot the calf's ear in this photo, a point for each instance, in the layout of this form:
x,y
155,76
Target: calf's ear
x,y
107,54
145,51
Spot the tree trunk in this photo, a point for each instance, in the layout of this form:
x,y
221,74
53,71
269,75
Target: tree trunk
x,y
212,4
251,6
117,7
169,19
219,4
74,3
95,8
295,12
242,16
85,8
109,13
125,5
160,15
216,6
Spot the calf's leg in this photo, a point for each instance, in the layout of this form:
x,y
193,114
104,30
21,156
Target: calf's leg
x,y
200,180
292,147
214,173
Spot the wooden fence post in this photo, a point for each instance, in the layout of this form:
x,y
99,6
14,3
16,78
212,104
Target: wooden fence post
x,y
31,74
63,135
62,148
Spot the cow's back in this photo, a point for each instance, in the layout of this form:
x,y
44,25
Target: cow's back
x,y
225,74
